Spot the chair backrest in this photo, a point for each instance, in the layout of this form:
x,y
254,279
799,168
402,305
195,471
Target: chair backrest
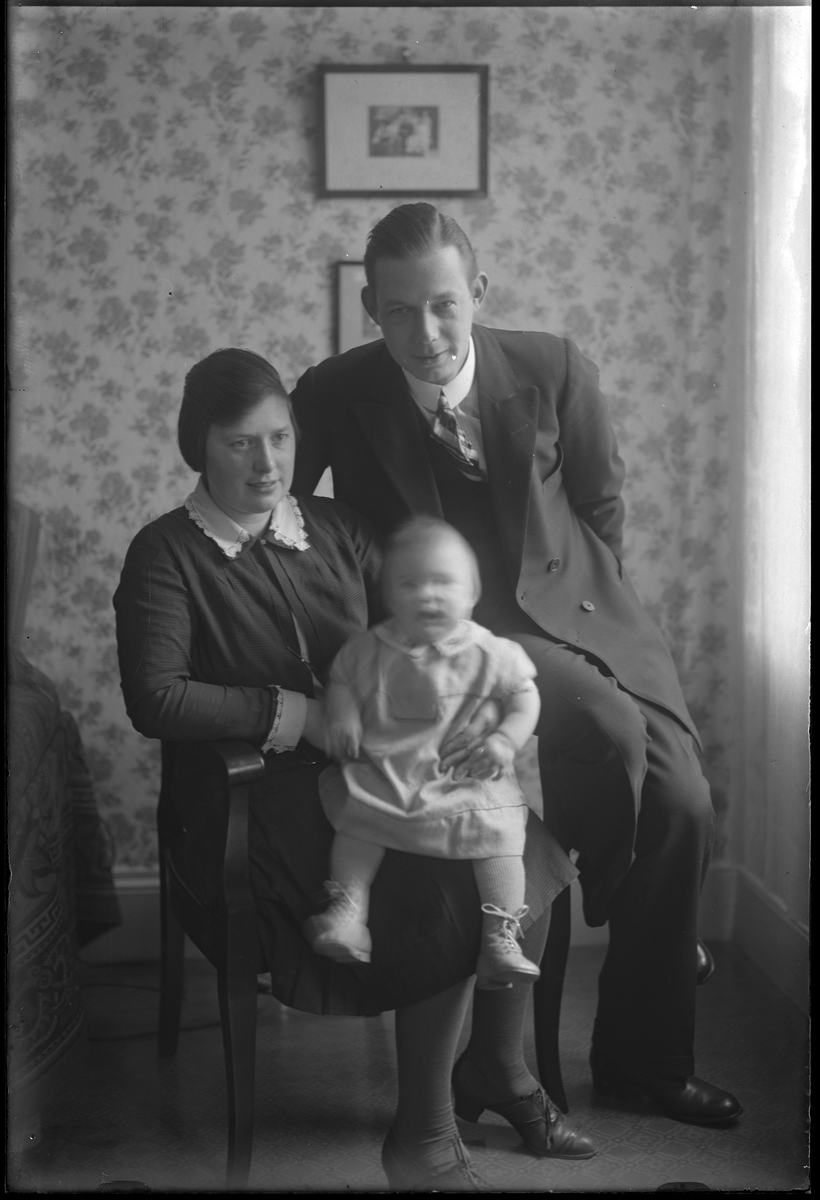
x,y
24,535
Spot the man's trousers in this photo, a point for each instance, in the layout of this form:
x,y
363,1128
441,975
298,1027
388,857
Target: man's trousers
x,y
622,785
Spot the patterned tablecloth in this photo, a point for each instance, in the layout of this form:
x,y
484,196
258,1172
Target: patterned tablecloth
x,y
61,892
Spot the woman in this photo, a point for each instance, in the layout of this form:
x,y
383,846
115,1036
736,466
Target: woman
x,y
229,611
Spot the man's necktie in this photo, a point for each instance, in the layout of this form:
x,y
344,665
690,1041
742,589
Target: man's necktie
x,y
446,431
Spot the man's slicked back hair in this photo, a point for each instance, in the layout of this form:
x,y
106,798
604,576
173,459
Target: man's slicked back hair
x,y
416,229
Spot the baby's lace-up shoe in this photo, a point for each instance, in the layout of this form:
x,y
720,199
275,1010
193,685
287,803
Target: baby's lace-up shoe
x,y
501,963
341,932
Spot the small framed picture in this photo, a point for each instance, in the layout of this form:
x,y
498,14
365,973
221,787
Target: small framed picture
x,y
353,325
404,130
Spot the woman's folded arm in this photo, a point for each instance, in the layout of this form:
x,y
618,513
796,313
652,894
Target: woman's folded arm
x,y
157,625
187,711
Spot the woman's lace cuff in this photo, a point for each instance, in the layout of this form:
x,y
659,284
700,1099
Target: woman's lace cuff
x,y
288,721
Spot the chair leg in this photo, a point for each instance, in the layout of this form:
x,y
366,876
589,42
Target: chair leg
x,y
547,1000
237,1007
172,969
240,963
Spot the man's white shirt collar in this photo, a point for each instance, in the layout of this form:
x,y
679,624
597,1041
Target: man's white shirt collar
x,y
287,525
426,394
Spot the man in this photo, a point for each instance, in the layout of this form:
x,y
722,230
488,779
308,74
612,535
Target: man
x,y
506,436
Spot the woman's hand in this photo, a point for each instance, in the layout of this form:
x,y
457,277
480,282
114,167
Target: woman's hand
x,y
458,751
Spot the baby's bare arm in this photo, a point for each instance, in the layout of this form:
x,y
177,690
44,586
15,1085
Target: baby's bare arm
x,y
521,712
344,722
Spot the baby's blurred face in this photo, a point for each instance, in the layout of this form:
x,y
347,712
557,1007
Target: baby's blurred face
x,y
430,588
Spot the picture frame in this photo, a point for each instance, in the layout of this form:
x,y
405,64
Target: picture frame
x,y
353,324
403,130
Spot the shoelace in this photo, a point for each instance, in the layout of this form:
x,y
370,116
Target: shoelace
x,y
464,1165
508,932
511,923
549,1109
340,897
461,1171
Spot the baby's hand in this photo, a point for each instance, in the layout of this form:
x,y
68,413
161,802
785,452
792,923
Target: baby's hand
x,y
492,758
345,737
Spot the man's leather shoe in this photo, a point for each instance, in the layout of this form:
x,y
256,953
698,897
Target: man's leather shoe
x,y
687,1099
705,963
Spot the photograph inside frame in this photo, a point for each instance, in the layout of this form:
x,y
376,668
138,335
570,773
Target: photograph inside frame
x,y
397,131
402,131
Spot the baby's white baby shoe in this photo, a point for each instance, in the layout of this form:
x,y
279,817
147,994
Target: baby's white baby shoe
x,y
501,963
341,932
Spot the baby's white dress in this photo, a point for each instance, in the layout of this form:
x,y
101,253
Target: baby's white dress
x,y
411,698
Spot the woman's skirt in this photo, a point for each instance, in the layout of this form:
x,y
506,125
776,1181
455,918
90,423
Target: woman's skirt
x,y
425,913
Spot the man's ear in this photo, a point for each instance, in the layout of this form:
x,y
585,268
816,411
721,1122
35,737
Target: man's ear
x,y
479,290
369,302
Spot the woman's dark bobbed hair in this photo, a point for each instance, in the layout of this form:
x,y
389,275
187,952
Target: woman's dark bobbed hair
x,y
221,390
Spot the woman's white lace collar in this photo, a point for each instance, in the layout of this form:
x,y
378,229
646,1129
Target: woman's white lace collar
x,y
287,526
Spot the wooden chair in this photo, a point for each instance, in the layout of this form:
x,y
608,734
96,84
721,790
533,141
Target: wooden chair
x,y
547,1000
227,938
229,942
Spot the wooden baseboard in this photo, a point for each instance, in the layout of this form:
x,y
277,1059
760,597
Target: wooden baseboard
x,y
764,932
137,939
716,914
733,908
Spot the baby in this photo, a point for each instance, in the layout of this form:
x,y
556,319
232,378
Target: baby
x,y
396,693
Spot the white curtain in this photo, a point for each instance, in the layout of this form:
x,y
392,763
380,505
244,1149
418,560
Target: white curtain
x,y
771,776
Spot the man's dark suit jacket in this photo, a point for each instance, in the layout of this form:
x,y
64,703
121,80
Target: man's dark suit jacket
x,y
554,473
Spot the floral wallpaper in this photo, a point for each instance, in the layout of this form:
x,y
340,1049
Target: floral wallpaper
x,y
163,180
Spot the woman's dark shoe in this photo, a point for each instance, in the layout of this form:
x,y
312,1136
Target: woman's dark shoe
x,y
687,1099
705,963
541,1126
404,1174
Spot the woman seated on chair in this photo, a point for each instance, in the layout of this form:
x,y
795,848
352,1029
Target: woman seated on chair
x,y
230,611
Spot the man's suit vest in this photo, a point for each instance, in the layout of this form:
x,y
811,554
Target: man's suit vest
x,y
467,506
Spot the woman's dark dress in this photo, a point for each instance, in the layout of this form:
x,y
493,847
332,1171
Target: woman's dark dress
x,y
201,637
